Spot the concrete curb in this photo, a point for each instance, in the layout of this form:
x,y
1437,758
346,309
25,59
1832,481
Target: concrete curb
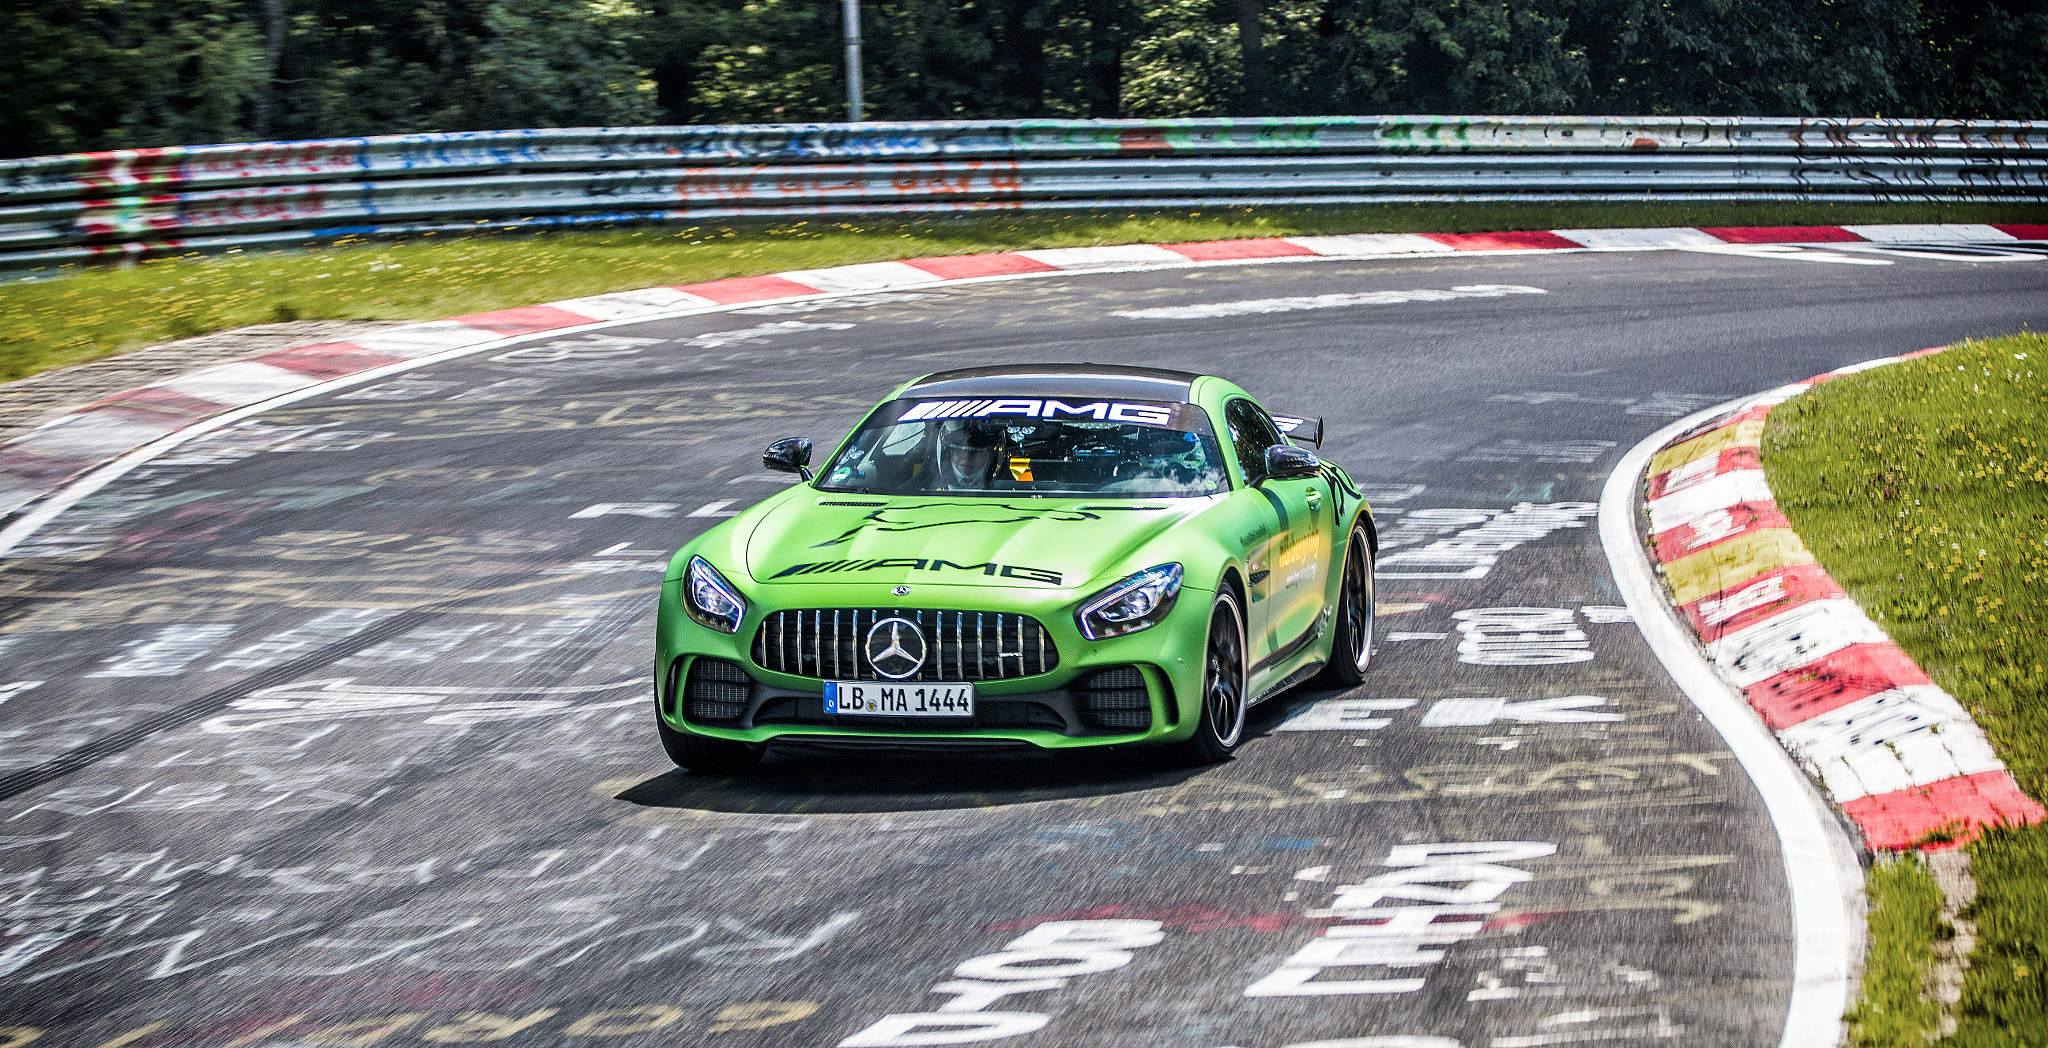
x,y
1899,755
44,461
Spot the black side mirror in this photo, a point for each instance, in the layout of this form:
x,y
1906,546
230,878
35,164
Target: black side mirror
x,y
1307,428
789,455
1285,461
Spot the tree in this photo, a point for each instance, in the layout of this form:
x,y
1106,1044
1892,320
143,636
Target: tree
x,y
1985,59
1746,57
106,74
561,63
1427,56
1186,60
103,74
777,63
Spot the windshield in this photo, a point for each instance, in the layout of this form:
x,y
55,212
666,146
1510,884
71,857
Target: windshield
x,y
1095,449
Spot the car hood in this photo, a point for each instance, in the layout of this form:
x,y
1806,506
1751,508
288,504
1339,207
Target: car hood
x,y
815,537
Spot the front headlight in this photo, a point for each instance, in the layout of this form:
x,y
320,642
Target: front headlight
x,y
712,600
1136,603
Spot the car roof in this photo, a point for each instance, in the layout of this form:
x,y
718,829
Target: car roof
x,y
1057,380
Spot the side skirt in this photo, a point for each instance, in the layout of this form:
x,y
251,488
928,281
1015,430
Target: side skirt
x,y
1296,648
1289,681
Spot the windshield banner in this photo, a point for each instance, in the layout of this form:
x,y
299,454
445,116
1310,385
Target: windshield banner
x,y
1135,412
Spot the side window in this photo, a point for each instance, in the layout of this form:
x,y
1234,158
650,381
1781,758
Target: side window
x,y
1251,433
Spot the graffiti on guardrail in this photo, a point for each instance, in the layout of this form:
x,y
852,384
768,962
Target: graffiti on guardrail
x,y
83,206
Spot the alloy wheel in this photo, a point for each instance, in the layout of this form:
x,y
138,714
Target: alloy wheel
x,y
1223,684
1359,603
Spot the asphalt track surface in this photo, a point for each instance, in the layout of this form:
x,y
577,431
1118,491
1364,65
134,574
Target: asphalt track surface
x,y
349,710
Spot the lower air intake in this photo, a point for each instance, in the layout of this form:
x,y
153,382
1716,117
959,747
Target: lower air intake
x,y
1115,698
717,690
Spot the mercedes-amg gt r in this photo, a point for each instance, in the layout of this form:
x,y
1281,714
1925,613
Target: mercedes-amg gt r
x,y
1050,556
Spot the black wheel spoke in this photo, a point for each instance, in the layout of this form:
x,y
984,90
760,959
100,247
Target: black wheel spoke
x,y
1224,696
1352,616
1360,607
1220,726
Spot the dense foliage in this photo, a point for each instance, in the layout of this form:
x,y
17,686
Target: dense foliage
x,y
96,74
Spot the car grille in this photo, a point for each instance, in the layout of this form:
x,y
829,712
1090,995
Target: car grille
x,y
828,644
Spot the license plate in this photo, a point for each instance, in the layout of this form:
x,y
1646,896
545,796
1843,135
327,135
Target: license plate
x,y
878,699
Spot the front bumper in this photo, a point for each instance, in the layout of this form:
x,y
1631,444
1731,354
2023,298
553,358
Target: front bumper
x,y
1062,711
1049,710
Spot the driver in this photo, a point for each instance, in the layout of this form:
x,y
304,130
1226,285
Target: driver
x,y
967,455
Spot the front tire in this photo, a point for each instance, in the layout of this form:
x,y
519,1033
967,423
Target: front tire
x,y
709,756
1220,728
1351,650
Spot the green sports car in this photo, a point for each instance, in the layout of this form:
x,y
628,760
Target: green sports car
x,y
1049,556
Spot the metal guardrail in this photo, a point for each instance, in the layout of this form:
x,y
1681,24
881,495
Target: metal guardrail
x,y
78,207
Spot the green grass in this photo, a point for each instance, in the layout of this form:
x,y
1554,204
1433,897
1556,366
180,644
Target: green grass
x,y
2005,993
93,312
1923,489
1905,921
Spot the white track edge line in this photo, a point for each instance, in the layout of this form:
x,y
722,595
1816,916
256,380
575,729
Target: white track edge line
x,y
1823,874
1136,267
935,282
46,507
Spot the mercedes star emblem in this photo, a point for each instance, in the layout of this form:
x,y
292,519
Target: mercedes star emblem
x,y
901,591
895,648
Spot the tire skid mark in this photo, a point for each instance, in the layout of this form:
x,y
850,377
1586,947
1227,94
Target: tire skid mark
x,y
213,703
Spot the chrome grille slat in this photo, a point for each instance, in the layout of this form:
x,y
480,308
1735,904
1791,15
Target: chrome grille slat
x,y
796,642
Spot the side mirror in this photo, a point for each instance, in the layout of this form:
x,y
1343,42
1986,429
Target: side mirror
x,y
1285,461
789,455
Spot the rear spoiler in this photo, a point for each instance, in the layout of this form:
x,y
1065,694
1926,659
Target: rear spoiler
x,y
1298,427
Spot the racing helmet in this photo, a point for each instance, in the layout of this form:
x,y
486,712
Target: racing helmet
x,y
967,451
